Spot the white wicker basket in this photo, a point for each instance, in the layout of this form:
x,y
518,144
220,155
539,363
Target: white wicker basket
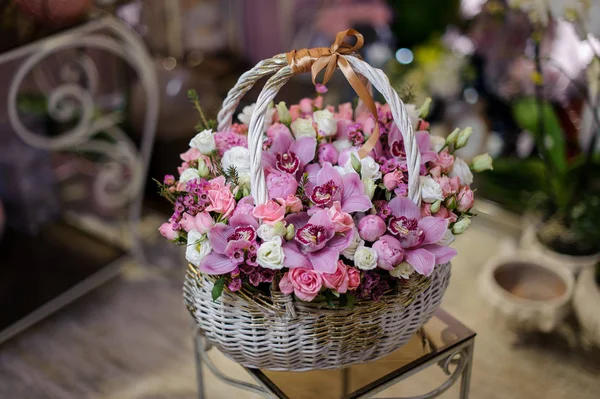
x,y
278,333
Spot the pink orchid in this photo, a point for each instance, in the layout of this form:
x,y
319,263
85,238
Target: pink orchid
x,y
316,244
423,142
286,154
232,245
326,186
418,236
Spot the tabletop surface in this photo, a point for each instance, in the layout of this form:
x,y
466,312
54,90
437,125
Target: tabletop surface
x,y
441,334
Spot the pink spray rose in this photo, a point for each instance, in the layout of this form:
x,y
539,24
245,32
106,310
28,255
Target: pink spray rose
x,y
445,160
445,213
293,203
327,153
318,102
345,111
217,183
338,280
305,283
295,112
465,198
436,171
306,106
371,227
341,221
221,201
281,184
202,222
449,186
167,232
353,278
389,252
245,206
392,180
271,212
190,155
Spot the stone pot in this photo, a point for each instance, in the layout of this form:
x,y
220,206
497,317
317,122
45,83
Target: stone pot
x,y
586,304
528,291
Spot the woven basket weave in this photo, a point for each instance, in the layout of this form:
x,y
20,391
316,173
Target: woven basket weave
x,y
278,333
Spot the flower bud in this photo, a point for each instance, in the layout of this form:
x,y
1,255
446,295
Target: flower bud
x,y
482,162
452,136
436,206
463,138
290,232
284,114
424,110
203,170
450,203
460,226
355,162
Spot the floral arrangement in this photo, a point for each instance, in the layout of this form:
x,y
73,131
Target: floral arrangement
x,y
336,227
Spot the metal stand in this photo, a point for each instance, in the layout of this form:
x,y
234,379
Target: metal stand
x,y
460,357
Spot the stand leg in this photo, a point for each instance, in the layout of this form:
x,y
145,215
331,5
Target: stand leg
x,y
345,381
465,380
198,346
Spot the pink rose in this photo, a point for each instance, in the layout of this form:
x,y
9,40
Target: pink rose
x,y
271,212
190,155
167,231
305,283
449,187
445,160
202,222
371,227
245,206
389,252
281,184
217,183
465,198
436,171
392,180
306,106
353,278
221,201
345,111
341,221
295,112
446,214
337,280
293,203
327,153
455,184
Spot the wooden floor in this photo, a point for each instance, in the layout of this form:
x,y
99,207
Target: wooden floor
x,y
131,340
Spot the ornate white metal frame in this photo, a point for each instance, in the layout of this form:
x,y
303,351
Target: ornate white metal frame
x,y
72,100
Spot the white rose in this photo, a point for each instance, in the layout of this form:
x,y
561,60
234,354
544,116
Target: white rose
x,y
238,157
430,190
341,145
355,243
370,187
365,258
198,246
247,112
447,239
188,175
437,143
303,128
462,170
369,169
403,270
268,232
326,123
270,254
204,142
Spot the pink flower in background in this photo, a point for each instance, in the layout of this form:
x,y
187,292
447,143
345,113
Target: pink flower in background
x,y
227,140
337,280
418,235
191,155
342,221
345,111
327,153
392,180
318,102
389,252
444,160
167,231
306,106
221,201
295,112
232,245
321,88
201,223
371,227
245,206
326,185
465,198
288,155
293,203
271,212
281,184
316,244
353,278
304,283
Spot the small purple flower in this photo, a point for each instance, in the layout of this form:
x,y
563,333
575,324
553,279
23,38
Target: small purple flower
x,y
235,284
169,180
321,88
382,208
401,190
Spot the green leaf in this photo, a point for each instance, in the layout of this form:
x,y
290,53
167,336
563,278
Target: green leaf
x,y
329,298
551,138
218,288
351,301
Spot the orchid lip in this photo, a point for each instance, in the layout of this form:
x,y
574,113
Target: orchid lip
x,y
402,225
246,233
324,193
397,149
312,237
287,162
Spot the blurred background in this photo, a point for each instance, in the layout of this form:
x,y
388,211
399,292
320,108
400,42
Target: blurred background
x,y
95,106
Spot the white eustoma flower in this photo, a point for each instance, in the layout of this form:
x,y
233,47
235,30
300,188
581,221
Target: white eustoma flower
x,y
430,190
204,142
238,157
189,174
198,246
462,170
326,122
356,242
365,258
341,145
270,254
247,112
437,143
302,127
403,270
268,232
369,169
447,239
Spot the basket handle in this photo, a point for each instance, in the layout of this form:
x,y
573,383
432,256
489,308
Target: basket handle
x,y
378,79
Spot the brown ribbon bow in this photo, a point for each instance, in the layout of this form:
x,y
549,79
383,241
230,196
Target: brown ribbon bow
x,y
317,59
